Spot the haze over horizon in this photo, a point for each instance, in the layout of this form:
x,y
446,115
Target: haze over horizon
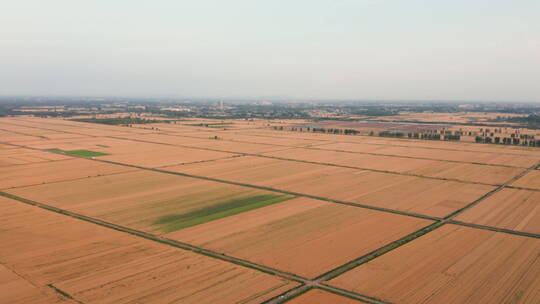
x,y
319,49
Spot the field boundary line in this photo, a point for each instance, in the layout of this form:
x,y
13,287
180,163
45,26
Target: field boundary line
x,y
25,134
109,174
503,230
38,162
63,293
67,180
289,294
522,188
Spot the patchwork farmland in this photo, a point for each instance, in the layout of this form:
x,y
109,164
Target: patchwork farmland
x,y
204,211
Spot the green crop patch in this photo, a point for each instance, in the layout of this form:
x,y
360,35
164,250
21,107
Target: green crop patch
x,y
84,153
56,150
173,222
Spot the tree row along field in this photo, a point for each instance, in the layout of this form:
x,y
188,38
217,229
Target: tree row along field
x,y
505,134
303,204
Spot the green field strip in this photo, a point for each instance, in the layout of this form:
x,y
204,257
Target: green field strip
x,y
174,222
82,153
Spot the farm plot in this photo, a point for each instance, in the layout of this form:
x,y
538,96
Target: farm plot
x,y
472,173
510,209
430,168
453,264
238,147
14,138
37,133
94,264
133,152
21,156
187,132
317,296
90,130
167,138
155,155
208,143
295,135
97,144
459,156
23,129
279,141
58,125
404,193
530,180
302,236
150,201
54,171
57,136
385,163
179,126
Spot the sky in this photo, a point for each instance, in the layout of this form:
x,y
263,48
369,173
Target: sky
x,y
478,50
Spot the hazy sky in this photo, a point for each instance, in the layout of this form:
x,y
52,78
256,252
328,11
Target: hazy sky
x,y
298,49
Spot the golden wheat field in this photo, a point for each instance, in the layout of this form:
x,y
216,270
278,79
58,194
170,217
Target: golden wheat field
x,y
237,211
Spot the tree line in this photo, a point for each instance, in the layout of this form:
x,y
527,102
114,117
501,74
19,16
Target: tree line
x,y
487,136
